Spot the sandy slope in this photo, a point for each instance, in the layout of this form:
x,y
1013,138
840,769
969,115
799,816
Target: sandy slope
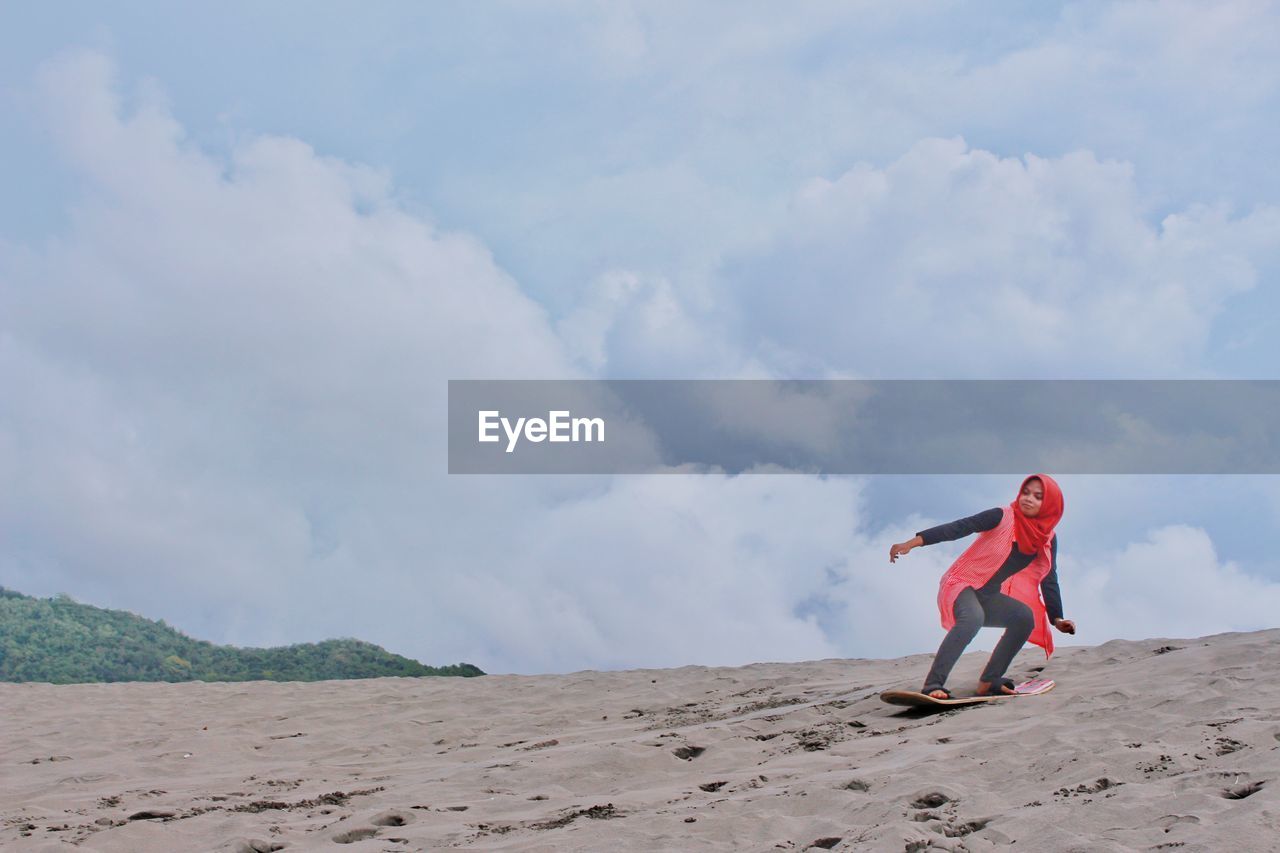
x,y
1150,745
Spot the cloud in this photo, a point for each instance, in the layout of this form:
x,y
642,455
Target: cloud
x,y
669,570
674,155
628,325
952,262
1167,84
1171,584
225,371
225,391
225,407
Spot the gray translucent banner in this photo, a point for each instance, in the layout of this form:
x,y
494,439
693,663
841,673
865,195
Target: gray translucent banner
x,y
901,426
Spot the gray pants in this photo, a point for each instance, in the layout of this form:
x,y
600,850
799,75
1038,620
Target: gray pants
x,y
975,610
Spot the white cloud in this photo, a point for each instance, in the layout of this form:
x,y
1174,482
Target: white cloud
x,y
627,325
952,262
1172,584
225,388
226,373
667,570
1167,81
720,117
225,407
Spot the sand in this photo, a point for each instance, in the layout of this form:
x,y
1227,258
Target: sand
x,y
1162,744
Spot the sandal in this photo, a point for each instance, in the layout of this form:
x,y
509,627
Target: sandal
x,y
1004,682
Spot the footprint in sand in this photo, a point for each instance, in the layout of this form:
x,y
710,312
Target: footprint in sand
x,y
688,753
392,818
358,834
966,828
257,845
1239,792
931,800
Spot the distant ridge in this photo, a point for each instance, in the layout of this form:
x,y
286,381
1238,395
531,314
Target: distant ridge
x,y
60,641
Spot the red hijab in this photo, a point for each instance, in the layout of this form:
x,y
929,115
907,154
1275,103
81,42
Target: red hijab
x,y
1032,532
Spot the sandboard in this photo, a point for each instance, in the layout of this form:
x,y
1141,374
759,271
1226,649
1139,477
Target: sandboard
x,y
912,699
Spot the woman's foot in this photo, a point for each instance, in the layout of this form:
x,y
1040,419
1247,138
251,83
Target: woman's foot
x,y
939,693
1006,688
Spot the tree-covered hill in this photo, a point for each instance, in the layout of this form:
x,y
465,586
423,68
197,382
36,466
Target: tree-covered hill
x,y
61,641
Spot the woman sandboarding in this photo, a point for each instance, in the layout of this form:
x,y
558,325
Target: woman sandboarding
x,y
998,582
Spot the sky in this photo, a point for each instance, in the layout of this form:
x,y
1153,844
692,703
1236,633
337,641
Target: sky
x,y
243,248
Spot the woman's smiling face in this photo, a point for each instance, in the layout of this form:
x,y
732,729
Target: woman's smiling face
x,y
1032,497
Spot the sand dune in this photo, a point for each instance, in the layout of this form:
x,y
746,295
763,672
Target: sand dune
x,y
1163,744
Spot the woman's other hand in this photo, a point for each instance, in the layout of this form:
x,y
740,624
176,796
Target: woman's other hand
x,y
1066,626
896,551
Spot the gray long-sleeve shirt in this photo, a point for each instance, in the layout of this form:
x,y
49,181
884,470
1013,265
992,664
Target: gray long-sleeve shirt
x,y
1014,563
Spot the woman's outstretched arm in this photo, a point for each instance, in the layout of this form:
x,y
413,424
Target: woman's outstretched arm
x,y
960,528
985,520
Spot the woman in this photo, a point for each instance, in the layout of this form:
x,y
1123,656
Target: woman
x,y
997,582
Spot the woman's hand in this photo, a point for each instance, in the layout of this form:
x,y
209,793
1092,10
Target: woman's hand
x,y
901,548
1066,626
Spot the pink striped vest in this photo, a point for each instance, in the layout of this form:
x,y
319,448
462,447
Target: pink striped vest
x,y
979,563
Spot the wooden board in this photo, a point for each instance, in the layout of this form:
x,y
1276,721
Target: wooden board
x,y
911,698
